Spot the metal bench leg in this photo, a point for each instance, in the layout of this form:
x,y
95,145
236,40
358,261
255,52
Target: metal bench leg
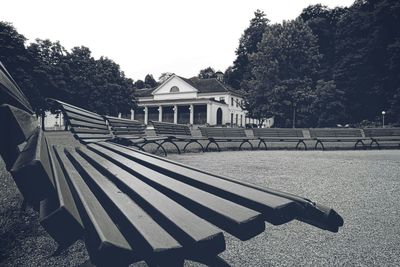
x,y
301,142
319,142
359,142
262,142
374,141
158,147
246,141
169,141
212,142
202,147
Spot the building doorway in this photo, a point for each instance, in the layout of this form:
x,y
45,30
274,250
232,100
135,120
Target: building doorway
x,y
219,116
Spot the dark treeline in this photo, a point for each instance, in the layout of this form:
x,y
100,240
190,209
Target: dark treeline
x,y
46,69
327,67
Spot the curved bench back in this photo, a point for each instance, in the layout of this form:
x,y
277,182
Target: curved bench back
x,y
167,128
333,132
222,132
377,132
87,126
277,132
121,126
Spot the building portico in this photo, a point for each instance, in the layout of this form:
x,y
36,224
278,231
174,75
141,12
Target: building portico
x,y
190,101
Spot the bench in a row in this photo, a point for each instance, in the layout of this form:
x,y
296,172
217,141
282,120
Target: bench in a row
x,y
129,205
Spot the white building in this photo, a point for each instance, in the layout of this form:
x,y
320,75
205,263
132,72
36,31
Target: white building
x,y
191,101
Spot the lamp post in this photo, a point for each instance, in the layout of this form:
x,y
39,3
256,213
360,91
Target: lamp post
x,y
383,119
294,115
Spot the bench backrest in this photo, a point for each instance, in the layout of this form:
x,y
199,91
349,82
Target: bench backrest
x,y
277,132
87,126
332,132
125,127
29,158
222,132
167,128
376,132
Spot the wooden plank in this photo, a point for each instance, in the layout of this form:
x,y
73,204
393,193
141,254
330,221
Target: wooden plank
x,y
75,116
75,123
32,172
191,231
310,212
93,136
60,208
18,126
105,243
241,222
276,210
138,227
89,130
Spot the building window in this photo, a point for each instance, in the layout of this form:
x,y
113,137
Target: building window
x,y
231,101
174,89
237,103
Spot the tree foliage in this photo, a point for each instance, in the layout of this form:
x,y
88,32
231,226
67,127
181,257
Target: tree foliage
x,y
247,45
345,70
46,69
207,73
283,70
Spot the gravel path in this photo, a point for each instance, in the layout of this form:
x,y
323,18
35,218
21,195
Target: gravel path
x,y
363,186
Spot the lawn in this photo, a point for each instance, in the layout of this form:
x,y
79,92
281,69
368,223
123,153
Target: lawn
x,y
363,186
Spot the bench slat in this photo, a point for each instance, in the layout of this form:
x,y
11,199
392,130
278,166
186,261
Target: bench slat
x,y
191,231
105,242
31,171
75,123
156,241
60,208
276,210
238,220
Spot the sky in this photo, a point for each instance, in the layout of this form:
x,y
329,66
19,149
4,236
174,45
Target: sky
x,y
151,36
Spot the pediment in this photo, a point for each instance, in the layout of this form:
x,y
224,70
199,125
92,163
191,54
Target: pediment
x,y
174,85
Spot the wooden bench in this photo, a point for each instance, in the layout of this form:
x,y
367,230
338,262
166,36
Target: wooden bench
x,y
222,134
131,132
279,135
132,206
89,127
337,135
177,133
379,135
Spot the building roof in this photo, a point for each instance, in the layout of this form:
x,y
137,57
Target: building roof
x,y
212,85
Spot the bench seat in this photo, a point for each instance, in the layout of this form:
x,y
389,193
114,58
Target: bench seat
x,y
351,135
222,134
177,133
382,135
131,132
279,135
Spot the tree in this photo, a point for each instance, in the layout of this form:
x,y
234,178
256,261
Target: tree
x,y
328,107
247,45
164,76
139,84
207,73
149,81
368,53
14,56
283,70
323,22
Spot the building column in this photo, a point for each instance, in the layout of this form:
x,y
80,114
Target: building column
x,y
120,115
209,113
175,114
160,113
146,115
132,114
191,117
